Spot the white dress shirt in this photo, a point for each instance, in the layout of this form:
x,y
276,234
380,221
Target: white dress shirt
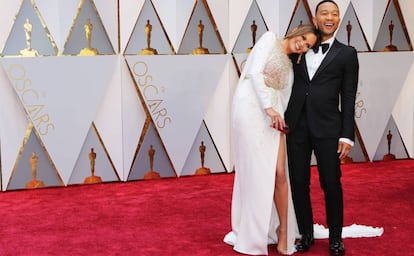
x,y
314,60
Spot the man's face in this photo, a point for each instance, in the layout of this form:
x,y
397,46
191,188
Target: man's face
x,y
327,19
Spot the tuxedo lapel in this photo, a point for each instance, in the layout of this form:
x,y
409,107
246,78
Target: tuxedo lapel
x,y
335,49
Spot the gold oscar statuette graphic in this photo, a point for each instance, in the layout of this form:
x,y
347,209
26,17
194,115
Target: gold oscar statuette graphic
x,y
92,179
28,51
88,51
348,32
34,183
389,156
253,29
151,174
391,47
200,49
202,170
148,50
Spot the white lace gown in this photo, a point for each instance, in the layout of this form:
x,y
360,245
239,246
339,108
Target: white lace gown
x,y
255,145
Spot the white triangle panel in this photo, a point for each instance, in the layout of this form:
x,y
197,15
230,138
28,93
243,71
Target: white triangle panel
x,y
238,11
62,99
108,11
407,9
380,83
379,9
217,118
220,12
133,118
13,125
8,11
167,11
312,5
108,120
128,14
184,9
277,14
177,91
403,112
58,16
364,10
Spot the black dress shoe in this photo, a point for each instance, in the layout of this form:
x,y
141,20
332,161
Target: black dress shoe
x,y
304,243
336,248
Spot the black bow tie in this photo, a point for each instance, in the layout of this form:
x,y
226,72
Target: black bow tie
x,y
324,46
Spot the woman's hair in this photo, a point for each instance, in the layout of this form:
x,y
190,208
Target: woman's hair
x,y
303,29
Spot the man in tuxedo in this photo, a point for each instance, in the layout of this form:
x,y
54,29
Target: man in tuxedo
x,y
320,116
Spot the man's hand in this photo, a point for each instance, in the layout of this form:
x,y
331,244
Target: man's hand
x,y
343,149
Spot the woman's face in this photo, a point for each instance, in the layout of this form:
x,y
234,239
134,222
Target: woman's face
x,y
301,44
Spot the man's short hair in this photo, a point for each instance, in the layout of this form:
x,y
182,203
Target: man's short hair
x,y
324,1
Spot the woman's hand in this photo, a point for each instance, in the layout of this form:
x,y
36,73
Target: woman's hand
x,y
277,121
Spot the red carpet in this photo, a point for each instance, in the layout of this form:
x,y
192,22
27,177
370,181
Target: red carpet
x,y
190,215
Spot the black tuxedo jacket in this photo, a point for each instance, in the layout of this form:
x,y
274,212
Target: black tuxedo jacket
x,y
329,98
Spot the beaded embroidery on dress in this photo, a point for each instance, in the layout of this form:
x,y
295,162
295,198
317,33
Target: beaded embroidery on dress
x,y
277,68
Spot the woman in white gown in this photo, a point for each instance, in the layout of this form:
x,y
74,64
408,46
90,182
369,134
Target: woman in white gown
x,y
261,201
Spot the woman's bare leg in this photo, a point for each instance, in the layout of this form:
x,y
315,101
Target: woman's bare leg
x,y
281,196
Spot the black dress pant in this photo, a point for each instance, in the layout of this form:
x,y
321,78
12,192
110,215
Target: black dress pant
x,y
300,144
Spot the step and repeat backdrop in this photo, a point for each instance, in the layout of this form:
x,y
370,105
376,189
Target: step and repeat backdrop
x,y
120,90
